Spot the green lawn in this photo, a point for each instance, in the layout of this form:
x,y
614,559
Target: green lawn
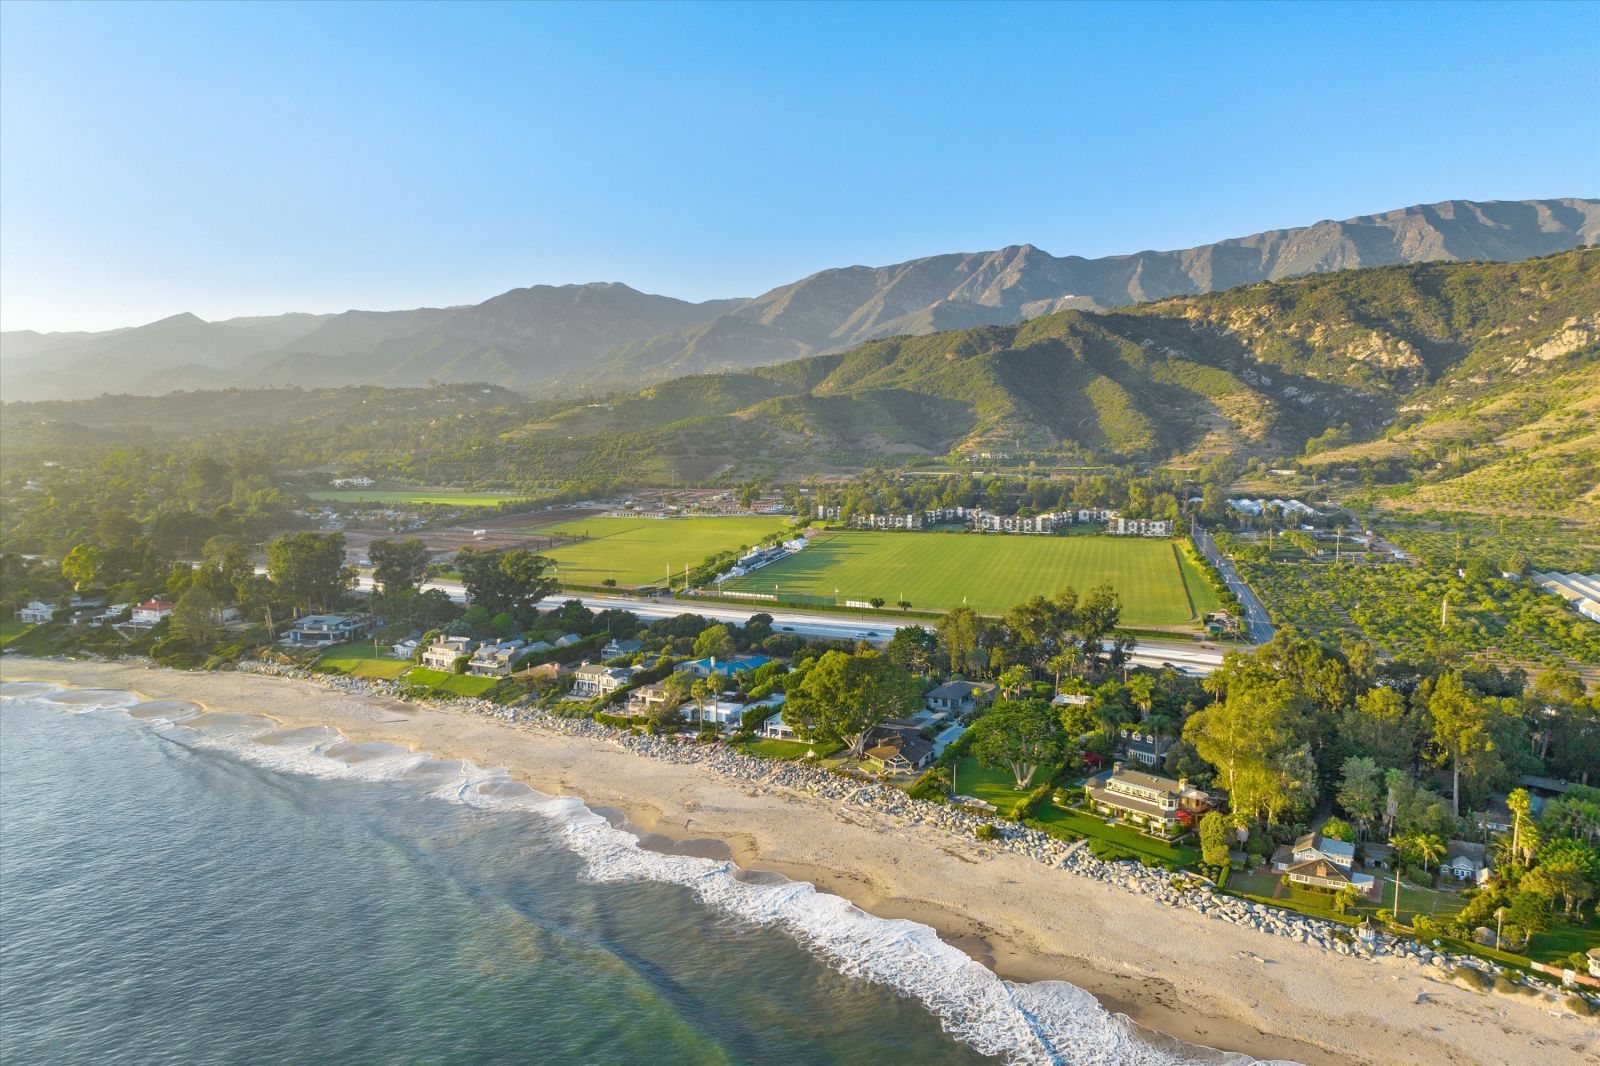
x,y
639,551
998,787
1260,886
1562,939
988,572
10,631
1058,821
787,750
360,660
440,496
454,684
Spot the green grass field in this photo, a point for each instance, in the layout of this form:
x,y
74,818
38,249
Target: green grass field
x,y
444,497
10,631
360,660
638,551
455,684
988,572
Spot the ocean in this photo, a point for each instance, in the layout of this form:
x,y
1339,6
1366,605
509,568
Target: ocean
x,y
184,887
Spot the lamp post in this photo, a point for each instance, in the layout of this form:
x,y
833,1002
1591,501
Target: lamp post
x,y
1499,922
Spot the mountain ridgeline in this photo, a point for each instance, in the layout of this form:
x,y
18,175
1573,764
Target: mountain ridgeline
x,y
588,339
1258,370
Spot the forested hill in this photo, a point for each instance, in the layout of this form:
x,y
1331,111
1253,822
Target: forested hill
x,y
1257,370
1460,373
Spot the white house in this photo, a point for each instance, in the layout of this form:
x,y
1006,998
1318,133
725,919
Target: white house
x,y
37,612
1466,861
591,680
443,653
775,728
150,612
405,649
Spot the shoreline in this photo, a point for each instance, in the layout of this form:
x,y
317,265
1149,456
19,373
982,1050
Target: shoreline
x,y
1166,969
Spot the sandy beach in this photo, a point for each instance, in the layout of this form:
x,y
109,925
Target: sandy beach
x,y
1168,969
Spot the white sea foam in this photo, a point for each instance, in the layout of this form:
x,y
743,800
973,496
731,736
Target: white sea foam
x,y
1043,1022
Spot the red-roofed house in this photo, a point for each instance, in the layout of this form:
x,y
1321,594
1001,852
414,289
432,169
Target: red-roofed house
x,y
150,612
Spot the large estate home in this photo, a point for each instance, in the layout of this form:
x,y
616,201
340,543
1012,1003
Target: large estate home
x,y
593,679
325,630
496,660
1156,804
443,653
1322,862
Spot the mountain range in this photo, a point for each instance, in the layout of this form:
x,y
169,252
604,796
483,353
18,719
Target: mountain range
x,y
591,339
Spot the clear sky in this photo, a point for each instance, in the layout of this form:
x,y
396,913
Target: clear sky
x,y
257,158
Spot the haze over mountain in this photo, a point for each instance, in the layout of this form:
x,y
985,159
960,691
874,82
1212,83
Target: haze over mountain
x,y
583,339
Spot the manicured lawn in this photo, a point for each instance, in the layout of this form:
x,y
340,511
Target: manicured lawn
x,y
439,496
1562,939
455,684
1059,821
988,572
1260,886
641,551
998,787
10,631
786,750
360,660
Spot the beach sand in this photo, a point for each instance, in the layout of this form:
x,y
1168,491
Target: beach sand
x,y
1171,970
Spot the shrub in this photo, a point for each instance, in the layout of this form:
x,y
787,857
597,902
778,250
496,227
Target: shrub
x,y
1580,1006
932,785
1029,805
986,832
1472,978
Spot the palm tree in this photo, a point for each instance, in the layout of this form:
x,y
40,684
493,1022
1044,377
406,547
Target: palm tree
x,y
1521,804
1428,847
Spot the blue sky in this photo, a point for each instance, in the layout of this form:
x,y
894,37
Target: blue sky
x,y
260,158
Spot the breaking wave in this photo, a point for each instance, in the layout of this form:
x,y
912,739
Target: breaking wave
x,y
1042,1022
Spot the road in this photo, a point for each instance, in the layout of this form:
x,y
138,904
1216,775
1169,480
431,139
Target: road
x,y
1186,656
1258,623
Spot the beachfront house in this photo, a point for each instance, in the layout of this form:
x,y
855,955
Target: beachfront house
x,y
962,697
1155,804
644,700
898,747
1466,861
496,660
405,649
593,679
443,652
1322,862
149,613
36,613
325,630
775,728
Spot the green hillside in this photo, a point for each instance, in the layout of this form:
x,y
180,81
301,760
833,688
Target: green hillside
x,y
1368,355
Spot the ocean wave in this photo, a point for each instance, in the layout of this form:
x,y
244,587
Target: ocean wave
x,y
1042,1022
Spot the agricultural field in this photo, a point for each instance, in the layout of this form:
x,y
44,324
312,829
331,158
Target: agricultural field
x,y
639,551
441,497
989,572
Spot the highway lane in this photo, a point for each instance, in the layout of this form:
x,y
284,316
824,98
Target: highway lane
x,y
1189,657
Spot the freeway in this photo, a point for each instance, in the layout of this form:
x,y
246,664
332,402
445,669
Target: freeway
x,y
1256,618
1186,656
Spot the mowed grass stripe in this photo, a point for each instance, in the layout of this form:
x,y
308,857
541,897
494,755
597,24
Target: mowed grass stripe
x,y
987,572
637,551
